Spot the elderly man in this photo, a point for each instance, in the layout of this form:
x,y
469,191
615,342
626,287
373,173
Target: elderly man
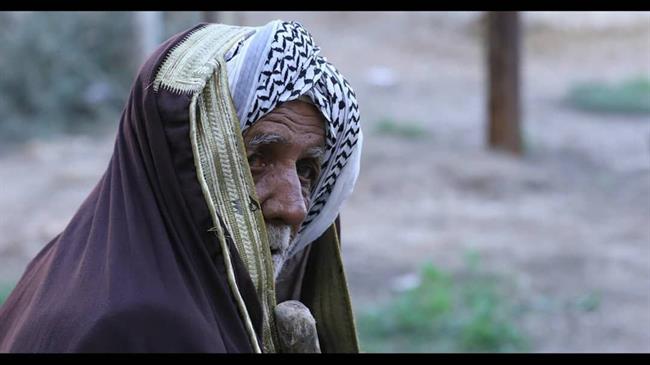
x,y
234,153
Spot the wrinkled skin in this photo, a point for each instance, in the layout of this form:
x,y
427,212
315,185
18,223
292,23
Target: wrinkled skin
x,y
285,151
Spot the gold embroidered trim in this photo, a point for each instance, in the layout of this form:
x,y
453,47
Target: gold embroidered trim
x,y
190,63
197,66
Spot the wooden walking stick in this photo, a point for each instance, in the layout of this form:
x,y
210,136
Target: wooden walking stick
x,y
296,328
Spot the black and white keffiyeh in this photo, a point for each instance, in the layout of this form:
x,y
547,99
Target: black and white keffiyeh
x,y
280,62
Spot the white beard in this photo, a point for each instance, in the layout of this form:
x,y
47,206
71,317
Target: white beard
x,y
279,242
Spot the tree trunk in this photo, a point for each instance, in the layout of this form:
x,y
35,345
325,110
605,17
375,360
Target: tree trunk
x,y
223,17
504,111
210,16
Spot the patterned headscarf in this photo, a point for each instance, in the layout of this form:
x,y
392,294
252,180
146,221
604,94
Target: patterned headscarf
x,y
280,62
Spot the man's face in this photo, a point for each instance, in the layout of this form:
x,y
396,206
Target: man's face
x,y
285,149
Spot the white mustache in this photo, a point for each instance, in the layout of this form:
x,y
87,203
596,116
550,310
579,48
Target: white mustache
x,y
280,238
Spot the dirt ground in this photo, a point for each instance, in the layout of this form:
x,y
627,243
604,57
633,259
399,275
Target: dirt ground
x,y
569,220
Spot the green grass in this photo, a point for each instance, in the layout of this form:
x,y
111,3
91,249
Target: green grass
x,y
401,129
468,312
630,96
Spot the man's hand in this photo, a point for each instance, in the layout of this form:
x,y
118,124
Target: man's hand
x,y
296,328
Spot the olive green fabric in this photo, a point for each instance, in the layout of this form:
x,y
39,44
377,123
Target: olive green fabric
x,y
325,293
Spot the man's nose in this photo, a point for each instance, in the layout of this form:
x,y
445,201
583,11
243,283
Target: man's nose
x,y
285,202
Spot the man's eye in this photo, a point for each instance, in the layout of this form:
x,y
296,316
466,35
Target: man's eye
x,y
306,171
256,160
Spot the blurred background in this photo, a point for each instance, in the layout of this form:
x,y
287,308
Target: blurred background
x,y
503,203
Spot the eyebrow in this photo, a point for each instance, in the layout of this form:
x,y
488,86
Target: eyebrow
x,y
266,138
317,153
